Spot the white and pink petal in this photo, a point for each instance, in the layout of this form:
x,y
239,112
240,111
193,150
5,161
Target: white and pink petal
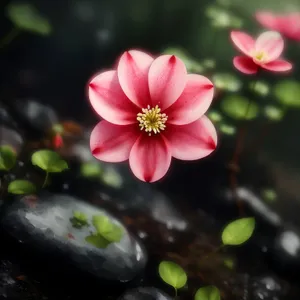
x,y
278,65
243,42
113,143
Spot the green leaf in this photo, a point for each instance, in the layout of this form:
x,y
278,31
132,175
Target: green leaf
x,y
227,82
260,88
7,158
208,293
49,161
215,116
172,274
227,129
274,113
269,195
97,240
26,17
112,178
235,106
21,187
107,229
287,92
238,231
79,219
91,170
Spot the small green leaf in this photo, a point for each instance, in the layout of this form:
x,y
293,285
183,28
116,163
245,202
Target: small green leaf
x,y
7,158
287,92
107,229
229,263
91,170
260,88
26,17
79,219
236,106
215,116
21,187
49,161
227,129
97,240
172,274
227,82
111,177
274,113
238,231
269,195
208,293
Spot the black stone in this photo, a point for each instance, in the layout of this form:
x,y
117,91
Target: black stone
x,y
145,293
44,225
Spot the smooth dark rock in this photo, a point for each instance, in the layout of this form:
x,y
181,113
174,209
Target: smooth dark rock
x,y
10,137
145,293
44,225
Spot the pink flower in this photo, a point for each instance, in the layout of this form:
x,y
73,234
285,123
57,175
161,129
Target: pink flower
x,y
263,52
287,24
152,110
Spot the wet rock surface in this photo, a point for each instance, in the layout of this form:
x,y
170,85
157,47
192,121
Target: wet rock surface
x,y
44,224
145,293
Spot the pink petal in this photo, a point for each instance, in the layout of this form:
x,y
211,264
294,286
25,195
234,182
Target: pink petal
x,y
271,43
193,102
290,26
112,143
133,70
192,141
150,158
109,101
243,42
268,20
278,65
245,64
167,79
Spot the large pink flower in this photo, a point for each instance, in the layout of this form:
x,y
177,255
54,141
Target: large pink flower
x,y
152,110
263,52
287,24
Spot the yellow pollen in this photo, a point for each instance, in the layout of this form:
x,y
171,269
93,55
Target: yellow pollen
x,y
260,56
152,120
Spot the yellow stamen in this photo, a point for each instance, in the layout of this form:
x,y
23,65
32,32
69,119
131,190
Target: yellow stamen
x,y
260,56
152,120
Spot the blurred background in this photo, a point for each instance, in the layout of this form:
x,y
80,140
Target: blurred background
x,y
50,49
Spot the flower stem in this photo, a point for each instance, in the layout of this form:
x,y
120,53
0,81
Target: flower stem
x,y
234,164
8,38
46,179
176,295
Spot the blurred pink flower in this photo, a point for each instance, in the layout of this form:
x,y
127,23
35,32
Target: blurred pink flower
x,y
287,24
263,52
152,110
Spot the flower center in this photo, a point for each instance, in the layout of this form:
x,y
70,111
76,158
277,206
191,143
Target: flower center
x,y
260,56
152,120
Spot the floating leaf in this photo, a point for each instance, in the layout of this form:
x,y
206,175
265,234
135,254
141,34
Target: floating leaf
x,y
7,158
269,195
235,106
288,93
227,82
215,116
172,274
260,87
238,231
21,187
79,219
26,17
191,63
91,170
208,293
107,229
274,113
227,129
49,161
97,240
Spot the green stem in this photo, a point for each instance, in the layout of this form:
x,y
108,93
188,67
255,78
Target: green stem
x,y
176,295
12,34
46,179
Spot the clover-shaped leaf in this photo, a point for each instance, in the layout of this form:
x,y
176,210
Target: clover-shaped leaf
x,y
49,161
79,219
172,274
26,17
107,229
287,92
21,187
238,231
97,240
208,293
8,158
236,106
